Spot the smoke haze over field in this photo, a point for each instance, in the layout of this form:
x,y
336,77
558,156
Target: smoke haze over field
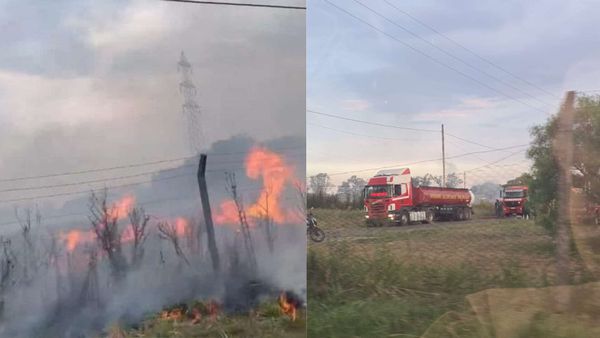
x,y
103,88
88,86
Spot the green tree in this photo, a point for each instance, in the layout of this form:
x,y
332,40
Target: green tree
x,y
586,160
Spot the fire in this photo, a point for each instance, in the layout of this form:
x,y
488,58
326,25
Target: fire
x,y
121,208
175,314
228,213
75,238
276,174
288,305
181,225
193,313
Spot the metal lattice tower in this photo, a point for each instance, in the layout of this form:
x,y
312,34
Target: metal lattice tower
x,y
190,109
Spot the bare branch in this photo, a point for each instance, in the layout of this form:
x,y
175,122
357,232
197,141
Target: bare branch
x,y
168,231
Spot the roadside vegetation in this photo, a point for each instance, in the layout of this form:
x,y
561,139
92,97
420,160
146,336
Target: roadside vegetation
x,y
397,283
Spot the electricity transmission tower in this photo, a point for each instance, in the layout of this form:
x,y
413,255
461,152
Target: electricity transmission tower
x,y
190,109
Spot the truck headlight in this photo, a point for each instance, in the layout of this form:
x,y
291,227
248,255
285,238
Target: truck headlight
x,y
367,216
391,216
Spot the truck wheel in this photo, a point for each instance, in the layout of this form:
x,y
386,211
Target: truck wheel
x,y
429,216
404,218
458,215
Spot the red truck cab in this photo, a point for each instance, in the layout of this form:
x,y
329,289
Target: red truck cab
x,y
513,200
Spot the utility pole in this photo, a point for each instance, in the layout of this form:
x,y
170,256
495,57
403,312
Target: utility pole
x,y
563,152
210,230
465,179
443,159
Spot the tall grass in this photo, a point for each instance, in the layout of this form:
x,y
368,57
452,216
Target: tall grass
x,y
354,296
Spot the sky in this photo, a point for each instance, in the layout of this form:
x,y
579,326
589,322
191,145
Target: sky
x,y
488,71
88,84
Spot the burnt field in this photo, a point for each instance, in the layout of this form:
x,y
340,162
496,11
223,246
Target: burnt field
x,y
128,271
398,281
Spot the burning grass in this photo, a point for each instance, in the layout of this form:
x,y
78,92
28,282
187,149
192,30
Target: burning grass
x,y
207,319
75,279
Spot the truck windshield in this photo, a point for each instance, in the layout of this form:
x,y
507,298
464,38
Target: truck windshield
x,y
377,191
514,194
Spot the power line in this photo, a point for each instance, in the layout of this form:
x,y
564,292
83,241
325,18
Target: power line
x,y
450,54
471,51
93,181
357,134
500,160
396,127
430,160
435,59
134,165
87,191
469,141
371,123
122,185
87,171
198,2
465,149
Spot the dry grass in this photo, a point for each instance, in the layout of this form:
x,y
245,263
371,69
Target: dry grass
x,y
397,281
265,321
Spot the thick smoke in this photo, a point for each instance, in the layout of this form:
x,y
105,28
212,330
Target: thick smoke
x,y
51,289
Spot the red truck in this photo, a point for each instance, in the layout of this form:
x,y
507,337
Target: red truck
x,y
513,199
391,197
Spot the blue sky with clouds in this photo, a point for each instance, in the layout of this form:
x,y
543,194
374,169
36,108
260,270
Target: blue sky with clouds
x,y
355,71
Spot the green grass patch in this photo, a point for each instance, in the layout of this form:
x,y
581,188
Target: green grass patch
x,y
377,285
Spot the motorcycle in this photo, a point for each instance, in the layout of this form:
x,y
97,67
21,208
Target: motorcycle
x,y
312,230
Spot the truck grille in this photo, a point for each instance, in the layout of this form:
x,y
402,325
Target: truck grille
x,y
511,204
378,210
379,207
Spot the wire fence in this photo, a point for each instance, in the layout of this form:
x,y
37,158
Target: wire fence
x,y
395,271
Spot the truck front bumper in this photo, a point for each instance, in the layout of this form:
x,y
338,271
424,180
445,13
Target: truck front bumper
x,y
508,211
381,219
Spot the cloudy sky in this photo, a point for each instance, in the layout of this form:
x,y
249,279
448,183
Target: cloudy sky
x,y
88,84
393,70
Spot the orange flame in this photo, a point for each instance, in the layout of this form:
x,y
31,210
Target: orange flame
x,y
121,208
74,238
181,225
275,173
174,314
287,306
